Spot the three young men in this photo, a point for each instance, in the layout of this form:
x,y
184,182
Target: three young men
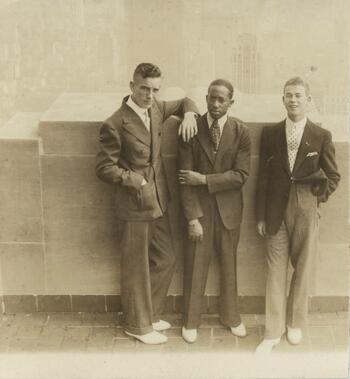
x,y
297,172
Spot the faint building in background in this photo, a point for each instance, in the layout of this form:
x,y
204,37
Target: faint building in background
x,y
246,64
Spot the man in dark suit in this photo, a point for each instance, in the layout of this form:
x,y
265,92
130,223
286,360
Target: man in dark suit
x,y
213,167
130,160
297,172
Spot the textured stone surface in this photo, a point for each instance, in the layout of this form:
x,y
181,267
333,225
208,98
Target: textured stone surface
x,y
20,194
22,268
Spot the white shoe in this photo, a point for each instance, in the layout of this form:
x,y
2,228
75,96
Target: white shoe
x,y
152,338
239,331
294,335
161,325
267,345
189,335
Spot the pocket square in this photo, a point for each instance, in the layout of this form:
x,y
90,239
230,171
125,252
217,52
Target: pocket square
x,y
312,153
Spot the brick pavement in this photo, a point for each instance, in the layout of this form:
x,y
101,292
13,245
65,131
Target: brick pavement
x,y
101,332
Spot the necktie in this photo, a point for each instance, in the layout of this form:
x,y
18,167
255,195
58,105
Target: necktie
x,y
292,146
215,134
146,120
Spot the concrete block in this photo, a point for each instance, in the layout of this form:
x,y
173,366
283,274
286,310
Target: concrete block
x,y
113,303
54,303
19,304
71,124
22,268
20,194
69,137
71,180
332,270
74,270
89,230
88,303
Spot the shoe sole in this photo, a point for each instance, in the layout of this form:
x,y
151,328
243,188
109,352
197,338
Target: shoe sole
x,y
146,343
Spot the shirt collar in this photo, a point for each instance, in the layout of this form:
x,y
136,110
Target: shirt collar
x,y
300,125
136,108
221,121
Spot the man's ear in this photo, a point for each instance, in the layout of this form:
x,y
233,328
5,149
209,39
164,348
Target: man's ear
x,y
131,85
283,99
231,102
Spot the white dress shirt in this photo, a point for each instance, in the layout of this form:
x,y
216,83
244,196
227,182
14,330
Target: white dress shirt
x,y
300,126
141,112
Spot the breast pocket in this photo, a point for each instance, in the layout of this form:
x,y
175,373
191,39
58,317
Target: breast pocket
x,y
311,164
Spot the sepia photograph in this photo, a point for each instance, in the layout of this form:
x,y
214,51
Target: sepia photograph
x,y
174,189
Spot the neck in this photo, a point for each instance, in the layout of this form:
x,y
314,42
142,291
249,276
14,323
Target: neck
x,y
296,118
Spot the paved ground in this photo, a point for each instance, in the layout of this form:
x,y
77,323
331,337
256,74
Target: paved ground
x,y
86,332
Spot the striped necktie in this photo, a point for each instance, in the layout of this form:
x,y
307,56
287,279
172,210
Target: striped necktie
x,y
215,134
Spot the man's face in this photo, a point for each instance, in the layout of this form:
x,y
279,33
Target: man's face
x,y
143,90
295,100
218,101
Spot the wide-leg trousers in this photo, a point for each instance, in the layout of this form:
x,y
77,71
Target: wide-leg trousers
x,y
147,267
216,238
295,240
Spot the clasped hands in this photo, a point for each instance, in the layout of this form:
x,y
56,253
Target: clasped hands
x,y
191,178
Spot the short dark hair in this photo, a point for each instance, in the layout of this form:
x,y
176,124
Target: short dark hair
x,y
147,70
222,82
297,81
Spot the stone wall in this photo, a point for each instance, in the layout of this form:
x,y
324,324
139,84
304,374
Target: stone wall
x,y
58,238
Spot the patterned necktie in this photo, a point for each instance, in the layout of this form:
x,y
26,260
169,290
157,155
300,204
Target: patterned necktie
x,y
215,134
146,120
293,146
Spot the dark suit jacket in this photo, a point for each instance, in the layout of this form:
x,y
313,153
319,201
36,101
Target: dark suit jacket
x,y
226,171
315,165
129,153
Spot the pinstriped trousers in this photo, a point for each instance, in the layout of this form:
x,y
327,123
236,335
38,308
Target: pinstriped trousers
x,y
295,240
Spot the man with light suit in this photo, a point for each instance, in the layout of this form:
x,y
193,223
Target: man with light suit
x,y
297,172
213,167
130,160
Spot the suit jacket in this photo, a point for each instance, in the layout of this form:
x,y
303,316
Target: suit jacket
x,y
130,153
314,165
226,171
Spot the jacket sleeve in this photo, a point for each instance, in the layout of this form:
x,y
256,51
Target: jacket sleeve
x,y
329,166
235,178
188,194
108,165
178,107
262,181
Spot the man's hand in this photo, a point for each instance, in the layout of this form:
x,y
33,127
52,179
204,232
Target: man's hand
x,y
195,230
191,178
188,127
261,228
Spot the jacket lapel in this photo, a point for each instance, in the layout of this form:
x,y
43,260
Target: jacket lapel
x,y
281,143
304,147
204,138
134,125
